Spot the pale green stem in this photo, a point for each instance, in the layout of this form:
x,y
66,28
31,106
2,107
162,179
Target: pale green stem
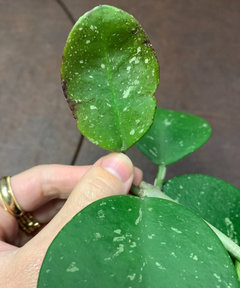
x,y
237,266
148,190
160,176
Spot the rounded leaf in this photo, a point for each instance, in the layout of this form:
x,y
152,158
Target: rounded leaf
x,y
213,199
109,75
173,136
124,241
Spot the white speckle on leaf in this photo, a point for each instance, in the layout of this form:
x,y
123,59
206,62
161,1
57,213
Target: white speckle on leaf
x,y
151,236
152,152
133,245
132,59
167,122
117,231
139,219
176,230
98,235
102,66
160,266
118,239
126,92
132,132
146,61
131,277
194,257
88,41
128,68
81,61
72,268
101,214
149,137
217,276
138,49
230,229
173,254
92,107
120,249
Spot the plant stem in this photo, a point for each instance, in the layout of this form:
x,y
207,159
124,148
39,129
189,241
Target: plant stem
x,y
160,176
148,190
237,266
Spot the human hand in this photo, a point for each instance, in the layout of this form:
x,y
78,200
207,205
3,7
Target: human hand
x,y
43,190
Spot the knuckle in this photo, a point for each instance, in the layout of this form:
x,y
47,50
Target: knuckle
x,y
101,184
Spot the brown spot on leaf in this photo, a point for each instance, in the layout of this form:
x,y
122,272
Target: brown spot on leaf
x,y
71,103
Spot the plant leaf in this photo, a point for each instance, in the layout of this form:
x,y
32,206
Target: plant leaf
x,y
173,136
109,75
213,199
124,241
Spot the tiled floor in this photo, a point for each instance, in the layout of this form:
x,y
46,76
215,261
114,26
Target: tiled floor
x,y
197,43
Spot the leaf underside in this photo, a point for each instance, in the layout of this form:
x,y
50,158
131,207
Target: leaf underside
x,y
124,241
109,75
211,198
173,136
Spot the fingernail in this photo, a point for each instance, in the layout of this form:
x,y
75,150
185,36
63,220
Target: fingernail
x,y
119,165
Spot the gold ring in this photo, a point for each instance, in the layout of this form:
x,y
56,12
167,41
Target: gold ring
x,y
26,221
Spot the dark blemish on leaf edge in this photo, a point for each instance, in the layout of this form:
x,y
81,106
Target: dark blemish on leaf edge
x,y
71,103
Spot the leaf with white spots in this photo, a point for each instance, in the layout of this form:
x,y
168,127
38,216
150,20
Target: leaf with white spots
x,y
173,136
213,199
146,242
109,75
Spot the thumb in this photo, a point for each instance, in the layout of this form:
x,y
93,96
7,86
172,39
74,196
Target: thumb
x,y
110,175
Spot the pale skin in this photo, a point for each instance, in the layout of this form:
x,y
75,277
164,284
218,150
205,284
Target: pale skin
x,y
54,194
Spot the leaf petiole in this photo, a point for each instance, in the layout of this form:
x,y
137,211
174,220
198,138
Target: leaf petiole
x,y
148,190
160,176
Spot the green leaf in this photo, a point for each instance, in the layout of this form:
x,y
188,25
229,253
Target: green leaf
x,y
109,75
213,199
173,136
124,241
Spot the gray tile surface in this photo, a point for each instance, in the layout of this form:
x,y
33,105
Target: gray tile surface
x,y
36,124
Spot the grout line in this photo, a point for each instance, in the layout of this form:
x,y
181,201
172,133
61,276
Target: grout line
x,y
66,10
79,146
81,137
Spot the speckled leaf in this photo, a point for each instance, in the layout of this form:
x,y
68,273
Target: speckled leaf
x,y
124,241
109,75
172,136
213,199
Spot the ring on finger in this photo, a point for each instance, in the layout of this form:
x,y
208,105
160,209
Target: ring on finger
x,y
25,220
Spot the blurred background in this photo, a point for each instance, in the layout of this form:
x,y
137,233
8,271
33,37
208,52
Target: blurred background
x,y
198,47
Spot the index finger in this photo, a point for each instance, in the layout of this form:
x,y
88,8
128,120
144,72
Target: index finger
x,y
36,186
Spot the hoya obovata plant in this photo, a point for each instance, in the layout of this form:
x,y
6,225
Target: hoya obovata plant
x,y
109,75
